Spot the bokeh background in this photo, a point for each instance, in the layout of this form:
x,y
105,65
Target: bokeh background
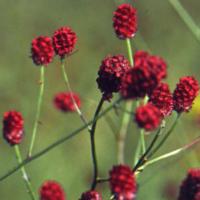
x,y
161,30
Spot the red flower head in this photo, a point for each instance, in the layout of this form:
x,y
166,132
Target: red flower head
x,y
190,187
138,82
125,21
111,71
64,40
186,91
162,98
51,190
91,195
155,63
140,56
148,117
123,183
65,101
13,127
42,50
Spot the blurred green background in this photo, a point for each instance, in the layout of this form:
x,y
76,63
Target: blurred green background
x,y
70,164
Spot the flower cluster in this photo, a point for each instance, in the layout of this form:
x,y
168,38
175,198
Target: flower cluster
x,y
67,101
125,21
143,78
91,195
110,74
62,42
148,117
162,98
122,182
51,190
42,50
186,91
190,188
13,127
142,82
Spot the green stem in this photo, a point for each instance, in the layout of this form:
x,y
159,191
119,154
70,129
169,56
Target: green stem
x,y
186,18
70,90
143,158
126,116
93,148
130,52
123,131
56,143
166,136
38,110
173,153
24,173
141,146
142,138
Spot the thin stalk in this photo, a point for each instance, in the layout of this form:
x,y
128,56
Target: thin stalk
x,y
173,153
142,139
141,146
143,158
56,143
184,15
123,131
66,79
126,117
93,148
38,110
130,52
166,136
102,180
24,173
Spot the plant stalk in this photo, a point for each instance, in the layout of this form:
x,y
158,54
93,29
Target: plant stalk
x,y
24,173
38,110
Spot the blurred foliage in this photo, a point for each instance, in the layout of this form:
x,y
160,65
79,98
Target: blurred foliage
x,y
163,32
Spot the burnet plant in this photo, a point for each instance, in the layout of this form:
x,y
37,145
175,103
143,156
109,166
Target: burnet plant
x,y
137,80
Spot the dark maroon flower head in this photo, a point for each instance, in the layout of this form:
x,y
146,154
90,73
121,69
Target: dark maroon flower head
x,y
138,82
110,74
42,50
91,195
125,21
186,91
64,40
155,63
148,117
190,187
65,101
122,183
51,190
161,97
13,127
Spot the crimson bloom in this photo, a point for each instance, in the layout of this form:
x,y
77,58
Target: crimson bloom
x,y
65,101
64,40
42,50
154,63
138,82
51,190
144,77
162,98
148,117
190,187
186,91
13,127
110,74
122,182
125,21
91,195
